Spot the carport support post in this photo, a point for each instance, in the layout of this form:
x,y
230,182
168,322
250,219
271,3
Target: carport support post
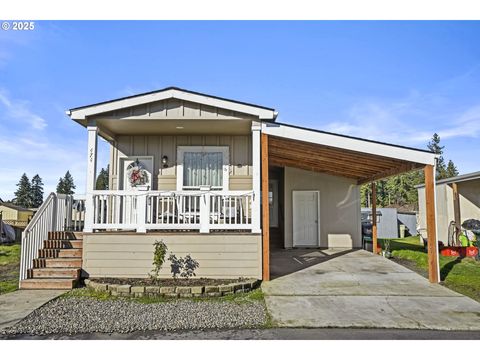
x,y
265,212
433,275
374,218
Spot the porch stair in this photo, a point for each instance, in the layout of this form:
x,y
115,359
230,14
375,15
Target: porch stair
x,y
59,262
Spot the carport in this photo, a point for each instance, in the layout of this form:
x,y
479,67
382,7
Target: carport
x,y
346,163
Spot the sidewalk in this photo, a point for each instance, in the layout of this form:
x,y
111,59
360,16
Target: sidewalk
x,y
16,305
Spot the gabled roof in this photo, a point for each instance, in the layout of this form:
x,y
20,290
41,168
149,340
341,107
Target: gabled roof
x,y
80,113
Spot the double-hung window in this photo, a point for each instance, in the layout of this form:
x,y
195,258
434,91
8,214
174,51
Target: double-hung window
x,y
202,166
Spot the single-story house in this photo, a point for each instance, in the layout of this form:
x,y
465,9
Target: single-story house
x,y
458,199
213,177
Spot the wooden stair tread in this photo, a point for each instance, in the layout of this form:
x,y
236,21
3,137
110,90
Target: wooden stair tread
x,y
52,273
48,284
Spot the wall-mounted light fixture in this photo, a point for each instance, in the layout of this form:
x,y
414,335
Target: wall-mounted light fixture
x,y
165,161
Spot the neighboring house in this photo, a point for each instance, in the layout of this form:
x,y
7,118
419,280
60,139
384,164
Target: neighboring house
x,y
15,216
458,199
390,220
213,177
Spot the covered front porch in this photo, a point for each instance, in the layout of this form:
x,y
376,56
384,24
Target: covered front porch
x,y
196,159
318,176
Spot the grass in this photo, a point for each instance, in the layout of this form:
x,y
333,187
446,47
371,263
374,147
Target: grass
x,y
459,274
9,267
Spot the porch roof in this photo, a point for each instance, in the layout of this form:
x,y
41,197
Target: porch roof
x,y
360,159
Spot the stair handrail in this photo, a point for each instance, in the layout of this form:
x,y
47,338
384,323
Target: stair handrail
x,y
36,231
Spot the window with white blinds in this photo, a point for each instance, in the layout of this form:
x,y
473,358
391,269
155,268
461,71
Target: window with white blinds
x,y
202,166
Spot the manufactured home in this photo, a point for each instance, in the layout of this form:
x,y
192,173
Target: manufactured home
x,y
216,178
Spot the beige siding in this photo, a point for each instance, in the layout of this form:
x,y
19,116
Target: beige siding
x,y
469,194
240,149
174,109
340,223
131,255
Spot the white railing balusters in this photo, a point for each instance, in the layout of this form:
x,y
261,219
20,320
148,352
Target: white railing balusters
x,y
57,213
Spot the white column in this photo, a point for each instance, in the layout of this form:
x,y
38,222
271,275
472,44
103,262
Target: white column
x,y
256,154
91,177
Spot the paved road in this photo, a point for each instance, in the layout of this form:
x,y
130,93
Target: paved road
x,y
276,334
361,290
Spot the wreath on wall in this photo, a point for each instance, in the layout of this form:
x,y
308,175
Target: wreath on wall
x,y
137,175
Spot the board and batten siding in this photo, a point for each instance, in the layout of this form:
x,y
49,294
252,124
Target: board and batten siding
x,y
240,150
131,255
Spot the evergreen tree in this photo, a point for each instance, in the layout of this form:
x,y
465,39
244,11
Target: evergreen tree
x,y
451,169
434,146
23,195
102,179
37,191
66,185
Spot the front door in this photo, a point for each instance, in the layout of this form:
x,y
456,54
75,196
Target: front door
x,y
306,216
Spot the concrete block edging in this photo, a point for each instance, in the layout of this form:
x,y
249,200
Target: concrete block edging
x,y
174,291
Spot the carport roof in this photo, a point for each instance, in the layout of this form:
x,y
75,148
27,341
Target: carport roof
x,y
360,159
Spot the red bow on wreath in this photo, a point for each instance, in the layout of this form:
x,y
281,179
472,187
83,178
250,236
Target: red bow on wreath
x,y
135,176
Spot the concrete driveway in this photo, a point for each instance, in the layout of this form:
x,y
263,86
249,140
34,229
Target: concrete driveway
x,y
362,290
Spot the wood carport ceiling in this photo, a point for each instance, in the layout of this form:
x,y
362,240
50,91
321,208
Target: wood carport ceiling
x,y
360,166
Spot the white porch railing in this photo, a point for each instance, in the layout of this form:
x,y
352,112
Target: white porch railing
x,y
172,210
57,213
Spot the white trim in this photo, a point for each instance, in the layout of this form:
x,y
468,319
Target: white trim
x,y
318,216
92,142
225,167
256,181
342,142
82,113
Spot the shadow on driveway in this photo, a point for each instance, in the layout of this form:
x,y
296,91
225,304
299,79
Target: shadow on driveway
x,y
287,261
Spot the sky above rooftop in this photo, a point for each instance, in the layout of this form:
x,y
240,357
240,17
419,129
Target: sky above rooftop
x,y
396,82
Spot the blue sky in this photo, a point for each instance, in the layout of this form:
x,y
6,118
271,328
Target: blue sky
x,y
397,82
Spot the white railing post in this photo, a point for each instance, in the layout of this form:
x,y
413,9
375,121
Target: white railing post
x,y
205,213
141,212
91,176
256,127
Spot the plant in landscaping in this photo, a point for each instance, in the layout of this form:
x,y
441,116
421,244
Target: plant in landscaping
x,y
176,265
183,267
189,267
158,258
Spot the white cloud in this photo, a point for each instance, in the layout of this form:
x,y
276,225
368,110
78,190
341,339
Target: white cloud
x,y
19,111
28,145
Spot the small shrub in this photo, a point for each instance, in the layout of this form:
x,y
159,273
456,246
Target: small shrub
x,y
176,265
189,267
158,258
185,267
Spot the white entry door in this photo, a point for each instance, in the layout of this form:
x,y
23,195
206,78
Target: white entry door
x,y
306,215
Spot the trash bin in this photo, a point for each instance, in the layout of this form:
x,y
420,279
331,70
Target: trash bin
x,y
402,231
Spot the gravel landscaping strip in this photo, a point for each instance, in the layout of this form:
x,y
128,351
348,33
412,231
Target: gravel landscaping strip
x,y
75,315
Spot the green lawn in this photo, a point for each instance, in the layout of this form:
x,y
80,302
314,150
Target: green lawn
x,y
9,267
461,275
